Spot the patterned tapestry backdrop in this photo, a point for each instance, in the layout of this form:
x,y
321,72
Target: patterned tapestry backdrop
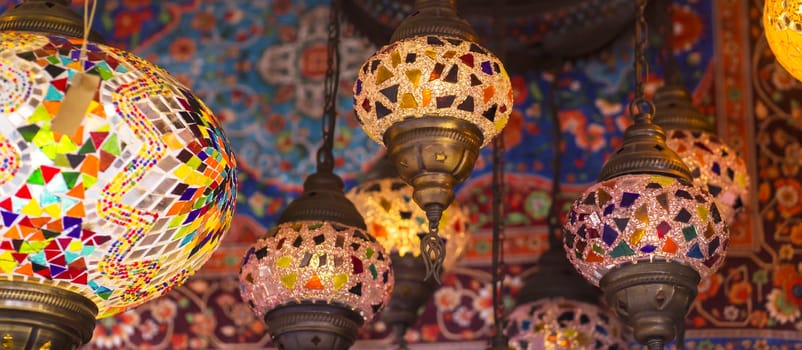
x,y
260,67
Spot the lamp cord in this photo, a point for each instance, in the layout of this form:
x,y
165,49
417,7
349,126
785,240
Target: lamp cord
x,y
89,17
325,154
640,108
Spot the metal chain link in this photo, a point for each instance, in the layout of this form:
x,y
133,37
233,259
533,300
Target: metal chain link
x,y
325,154
555,211
499,208
640,104
499,202
665,33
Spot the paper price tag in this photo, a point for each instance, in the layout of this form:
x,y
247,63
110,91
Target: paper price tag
x,y
80,93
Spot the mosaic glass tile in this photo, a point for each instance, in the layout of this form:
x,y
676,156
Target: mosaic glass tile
x,y
397,222
340,277
666,232
92,205
449,68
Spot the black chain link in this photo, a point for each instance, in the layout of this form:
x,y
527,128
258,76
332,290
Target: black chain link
x,y
499,201
555,211
640,104
325,154
499,208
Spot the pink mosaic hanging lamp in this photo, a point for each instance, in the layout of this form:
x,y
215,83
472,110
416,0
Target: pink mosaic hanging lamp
x,y
644,233
433,97
116,182
319,275
714,165
557,309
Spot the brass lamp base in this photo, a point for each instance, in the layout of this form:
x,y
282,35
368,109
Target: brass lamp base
x,y
410,293
653,298
41,317
433,154
308,326
48,17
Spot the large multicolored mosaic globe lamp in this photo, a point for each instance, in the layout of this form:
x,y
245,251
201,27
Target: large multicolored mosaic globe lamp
x,y
319,275
782,23
397,223
116,182
645,233
433,97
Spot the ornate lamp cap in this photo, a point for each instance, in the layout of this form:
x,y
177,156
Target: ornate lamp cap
x,y
384,168
47,17
645,152
674,110
323,199
557,278
434,17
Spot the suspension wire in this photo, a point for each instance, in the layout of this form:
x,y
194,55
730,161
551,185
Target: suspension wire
x,y
325,154
499,207
640,107
89,17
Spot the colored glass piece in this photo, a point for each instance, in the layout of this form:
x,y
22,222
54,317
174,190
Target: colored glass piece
x,y
695,252
445,101
288,280
340,280
382,75
627,199
669,246
622,249
662,229
356,264
689,233
414,77
466,105
284,261
683,216
609,235
391,93
636,236
451,76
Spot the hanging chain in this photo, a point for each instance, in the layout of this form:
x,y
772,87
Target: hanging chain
x,y
325,154
640,105
499,194
665,29
554,210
